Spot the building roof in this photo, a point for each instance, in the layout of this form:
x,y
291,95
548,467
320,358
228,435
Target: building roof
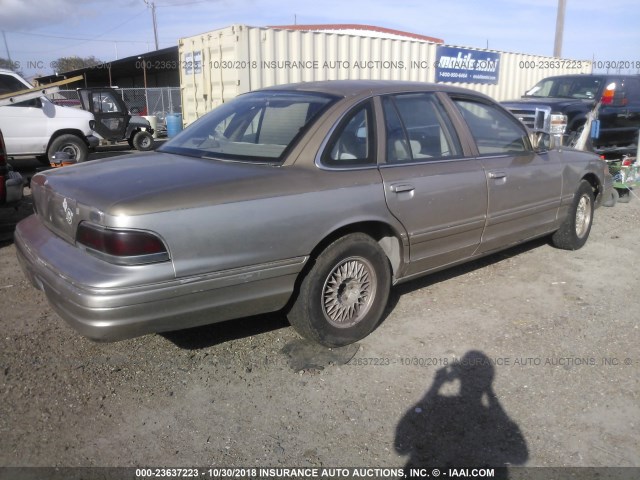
x,y
359,29
164,59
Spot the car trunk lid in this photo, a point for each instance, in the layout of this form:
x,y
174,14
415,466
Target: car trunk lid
x,y
142,184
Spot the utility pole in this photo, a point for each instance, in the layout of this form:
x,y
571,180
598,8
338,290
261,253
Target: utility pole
x,y
153,19
557,46
6,45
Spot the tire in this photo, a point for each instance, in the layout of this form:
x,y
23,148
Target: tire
x,y
143,141
624,196
573,233
612,200
71,144
342,297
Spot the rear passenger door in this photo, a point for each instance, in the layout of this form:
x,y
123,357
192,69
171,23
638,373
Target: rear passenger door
x,y
438,194
524,187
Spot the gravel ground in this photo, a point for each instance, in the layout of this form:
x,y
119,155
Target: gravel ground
x,y
528,357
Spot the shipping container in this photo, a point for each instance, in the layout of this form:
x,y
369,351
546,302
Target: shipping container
x,y
221,64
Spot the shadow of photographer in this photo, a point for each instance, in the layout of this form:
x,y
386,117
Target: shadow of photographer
x,y
467,429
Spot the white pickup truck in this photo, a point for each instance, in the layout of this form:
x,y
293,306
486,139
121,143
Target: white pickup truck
x,y
38,127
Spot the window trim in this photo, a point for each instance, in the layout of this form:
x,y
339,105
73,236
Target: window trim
x,y
337,129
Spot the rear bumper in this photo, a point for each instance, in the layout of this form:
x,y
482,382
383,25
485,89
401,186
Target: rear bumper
x,y
123,312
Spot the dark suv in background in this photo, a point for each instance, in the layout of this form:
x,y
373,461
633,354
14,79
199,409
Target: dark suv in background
x,y
561,104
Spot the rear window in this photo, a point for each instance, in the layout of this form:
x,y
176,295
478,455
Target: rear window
x,y
255,127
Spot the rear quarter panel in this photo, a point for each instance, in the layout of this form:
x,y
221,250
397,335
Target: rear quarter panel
x,y
264,229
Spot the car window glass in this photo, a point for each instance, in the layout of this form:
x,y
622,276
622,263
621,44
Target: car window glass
x,y
494,131
567,87
632,89
9,84
103,102
352,143
254,127
418,129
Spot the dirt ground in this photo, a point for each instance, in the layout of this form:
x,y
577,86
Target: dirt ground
x,y
528,357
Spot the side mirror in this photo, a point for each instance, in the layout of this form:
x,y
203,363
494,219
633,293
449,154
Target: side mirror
x,y
540,141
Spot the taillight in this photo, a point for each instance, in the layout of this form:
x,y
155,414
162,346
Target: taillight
x,y
627,162
608,94
122,247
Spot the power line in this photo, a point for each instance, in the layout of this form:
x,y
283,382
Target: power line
x,y
91,39
74,38
183,4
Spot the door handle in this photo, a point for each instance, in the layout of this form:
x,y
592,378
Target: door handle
x,y
405,187
497,175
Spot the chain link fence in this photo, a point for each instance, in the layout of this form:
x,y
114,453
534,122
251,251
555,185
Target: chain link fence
x,y
157,102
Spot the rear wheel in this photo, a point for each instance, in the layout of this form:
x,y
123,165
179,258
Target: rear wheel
x,y
573,233
70,144
343,297
143,141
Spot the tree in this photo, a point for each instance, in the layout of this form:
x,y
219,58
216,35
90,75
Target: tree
x,y
67,64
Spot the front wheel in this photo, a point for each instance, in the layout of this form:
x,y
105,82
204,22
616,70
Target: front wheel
x,y
343,296
70,144
574,231
143,141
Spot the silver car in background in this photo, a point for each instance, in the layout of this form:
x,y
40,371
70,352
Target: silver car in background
x,y
314,198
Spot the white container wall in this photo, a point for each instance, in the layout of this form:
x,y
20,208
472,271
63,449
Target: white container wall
x,y
219,65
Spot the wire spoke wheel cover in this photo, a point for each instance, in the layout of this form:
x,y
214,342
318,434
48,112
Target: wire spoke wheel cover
x,y
583,216
348,292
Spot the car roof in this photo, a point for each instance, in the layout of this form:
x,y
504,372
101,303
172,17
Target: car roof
x,y
347,88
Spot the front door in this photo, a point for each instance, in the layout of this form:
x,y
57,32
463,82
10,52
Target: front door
x,y
524,187
109,111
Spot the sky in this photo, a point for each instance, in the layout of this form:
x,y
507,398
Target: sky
x,y
36,32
